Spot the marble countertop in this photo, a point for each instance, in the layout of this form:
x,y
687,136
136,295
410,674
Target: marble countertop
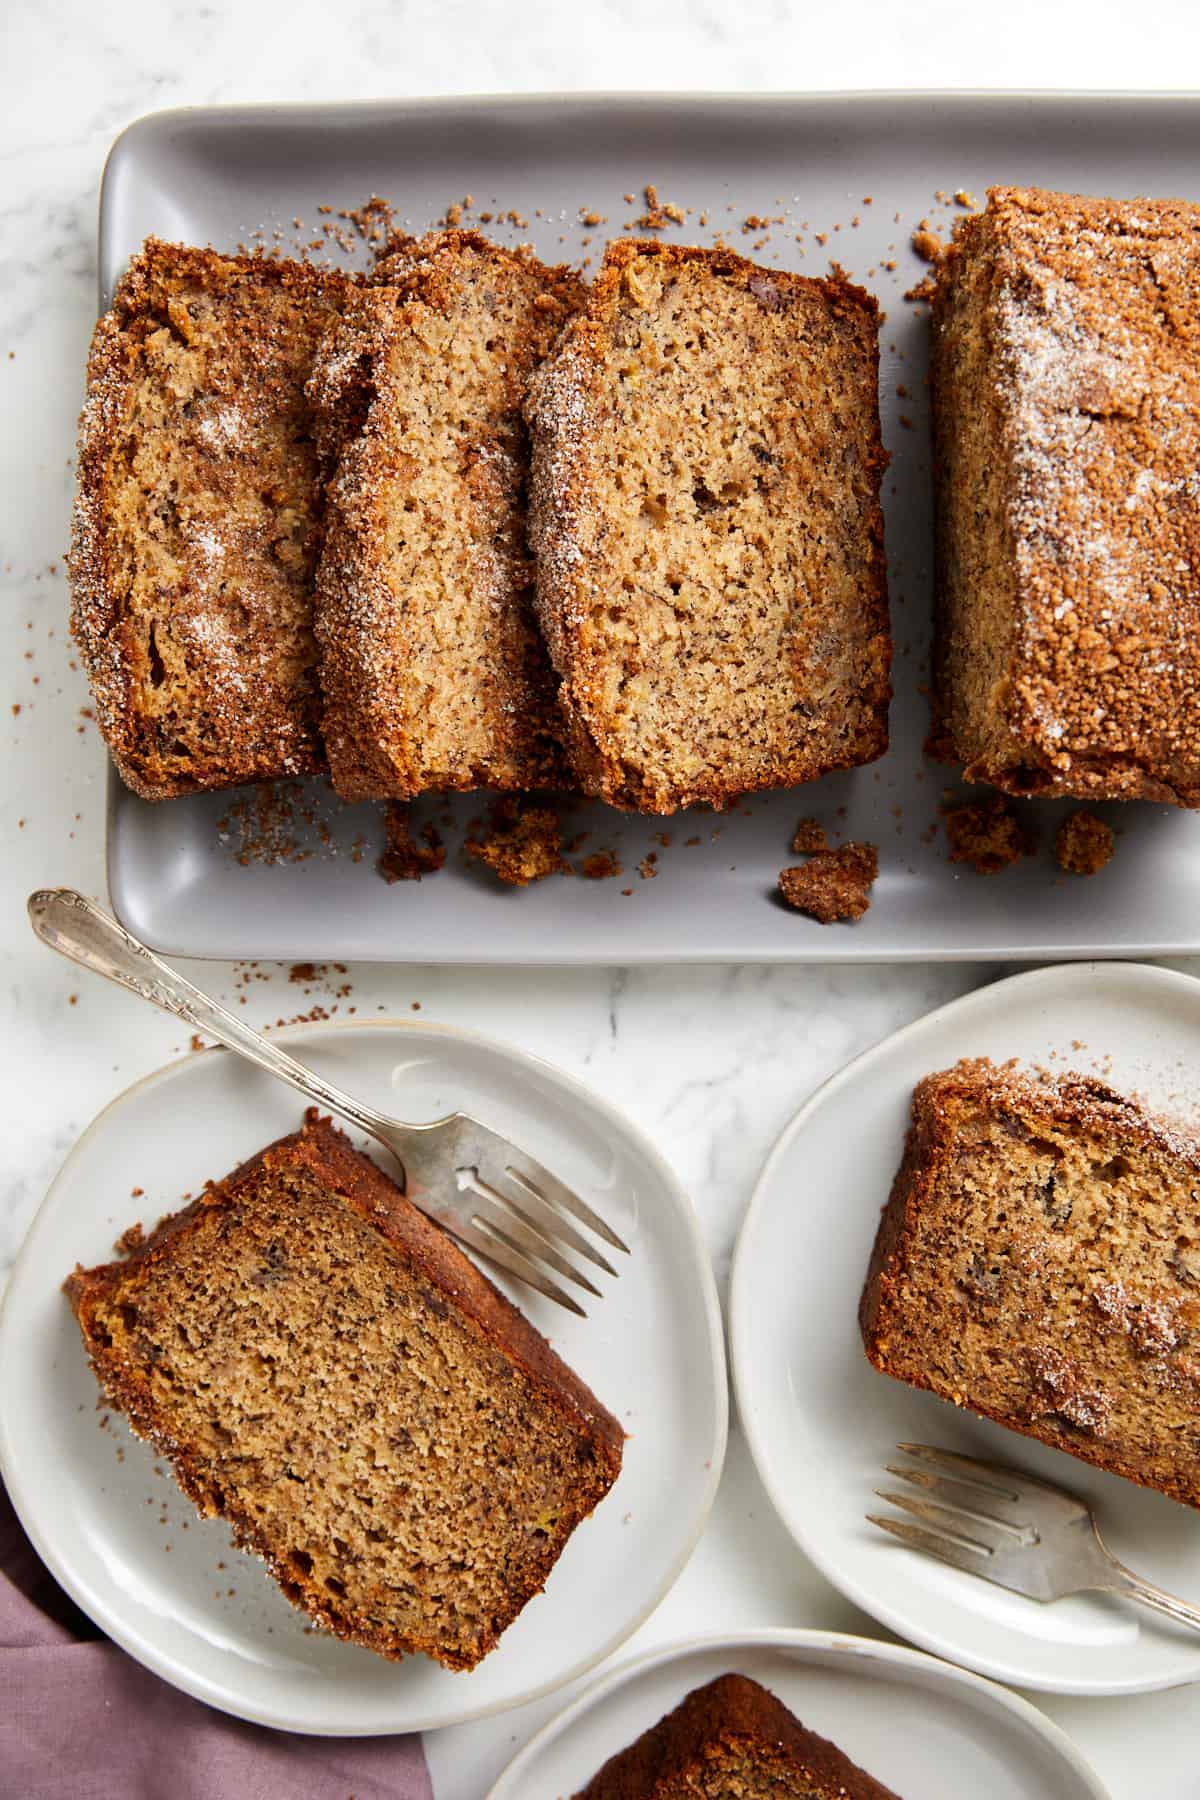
x,y
711,1062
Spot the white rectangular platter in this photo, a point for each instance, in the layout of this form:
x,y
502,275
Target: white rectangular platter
x,y
845,177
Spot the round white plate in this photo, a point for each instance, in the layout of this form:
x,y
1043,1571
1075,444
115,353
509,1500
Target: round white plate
x,y
822,1422
109,1521
917,1725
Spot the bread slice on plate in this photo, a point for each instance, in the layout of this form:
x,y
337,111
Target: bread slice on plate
x,y
433,671
1038,1263
732,1737
327,1371
707,526
192,556
1066,405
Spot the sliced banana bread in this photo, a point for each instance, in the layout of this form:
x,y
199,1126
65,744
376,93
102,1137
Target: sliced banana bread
x,y
192,559
328,1372
433,670
1038,1262
706,520
1066,405
732,1740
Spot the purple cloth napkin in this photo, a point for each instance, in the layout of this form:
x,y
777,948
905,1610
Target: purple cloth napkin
x,y
80,1718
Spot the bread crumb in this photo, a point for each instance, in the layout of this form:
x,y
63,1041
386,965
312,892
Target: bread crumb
x,y
658,213
832,884
521,844
403,858
808,838
131,1240
962,198
1083,843
600,866
986,834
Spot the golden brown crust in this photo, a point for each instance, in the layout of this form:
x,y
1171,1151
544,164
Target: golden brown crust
x,y
190,567
587,413
521,844
737,1729
1066,329
326,1154
987,834
1083,844
1094,1337
833,884
433,672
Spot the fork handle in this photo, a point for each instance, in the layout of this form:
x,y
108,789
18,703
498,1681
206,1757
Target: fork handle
x,y
1126,1582
82,932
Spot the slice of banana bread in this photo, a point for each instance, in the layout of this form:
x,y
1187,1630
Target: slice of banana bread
x,y
191,557
706,520
1038,1262
327,1371
433,670
730,1738
1066,404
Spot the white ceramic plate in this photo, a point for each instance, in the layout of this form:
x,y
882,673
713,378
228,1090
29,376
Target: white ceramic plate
x,y
217,173
821,1422
917,1725
109,1521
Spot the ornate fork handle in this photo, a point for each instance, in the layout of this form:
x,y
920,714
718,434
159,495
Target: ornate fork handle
x,y
1124,1581
81,931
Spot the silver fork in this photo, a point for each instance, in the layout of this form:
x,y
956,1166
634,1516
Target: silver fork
x,y
482,1189
1012,1529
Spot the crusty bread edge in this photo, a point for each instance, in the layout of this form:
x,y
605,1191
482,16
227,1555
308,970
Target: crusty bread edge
x,y
928,1144
729,1716
364,718
562,472
97,624
1104,777
328,1155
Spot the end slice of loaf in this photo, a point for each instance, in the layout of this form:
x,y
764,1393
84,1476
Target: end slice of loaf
x,y
706,518
732,1737
328,1372
1066,405
1038,1263
433,671
192,560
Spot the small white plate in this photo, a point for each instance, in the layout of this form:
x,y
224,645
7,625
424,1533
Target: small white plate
x,y
821,1421
107,1518
917,1725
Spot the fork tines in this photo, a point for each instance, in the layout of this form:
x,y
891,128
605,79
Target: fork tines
x,y
519,1222
976,1515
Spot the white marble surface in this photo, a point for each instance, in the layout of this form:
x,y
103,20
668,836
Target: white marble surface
x,y
711,1062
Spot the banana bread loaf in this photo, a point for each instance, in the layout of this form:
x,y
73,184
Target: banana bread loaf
x,y
433,671
732,1738
707,528
191,556
327,1371
1066,405
1038,1262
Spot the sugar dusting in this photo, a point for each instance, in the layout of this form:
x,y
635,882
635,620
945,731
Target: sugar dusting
x,y
424,567
188,472
1096,378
